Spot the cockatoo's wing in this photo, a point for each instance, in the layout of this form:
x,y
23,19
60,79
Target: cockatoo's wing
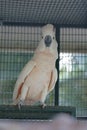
x,y
22,77
53,80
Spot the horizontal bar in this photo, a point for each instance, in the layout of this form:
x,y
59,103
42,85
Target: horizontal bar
x,y
34,112
42,24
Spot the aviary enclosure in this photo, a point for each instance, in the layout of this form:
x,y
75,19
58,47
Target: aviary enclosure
x,y
20,33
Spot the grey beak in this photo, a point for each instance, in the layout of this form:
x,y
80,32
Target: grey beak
x,y
48,40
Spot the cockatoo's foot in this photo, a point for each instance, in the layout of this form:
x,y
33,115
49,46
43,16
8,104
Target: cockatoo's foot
x,y
20,103
43,105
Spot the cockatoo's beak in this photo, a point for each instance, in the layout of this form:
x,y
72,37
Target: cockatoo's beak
x,y
48,40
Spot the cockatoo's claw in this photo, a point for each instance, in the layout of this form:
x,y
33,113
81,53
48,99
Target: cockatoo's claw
x,y
43,105
20,103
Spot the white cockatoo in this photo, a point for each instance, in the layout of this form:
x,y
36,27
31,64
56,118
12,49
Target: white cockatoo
x,y
38,77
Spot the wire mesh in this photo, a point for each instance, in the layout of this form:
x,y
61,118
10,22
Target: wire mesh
x,y
44,11
73,69
17,45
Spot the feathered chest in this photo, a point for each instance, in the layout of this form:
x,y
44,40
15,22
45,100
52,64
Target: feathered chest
x,y
45,61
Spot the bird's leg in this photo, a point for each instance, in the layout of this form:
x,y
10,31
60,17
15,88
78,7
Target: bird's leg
x,y
43,105
43,97
20,103
22,96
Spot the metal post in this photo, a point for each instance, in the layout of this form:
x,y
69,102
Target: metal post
x,y
57,66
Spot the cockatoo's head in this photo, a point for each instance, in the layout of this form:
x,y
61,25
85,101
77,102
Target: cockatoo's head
x,y
48,34
48,43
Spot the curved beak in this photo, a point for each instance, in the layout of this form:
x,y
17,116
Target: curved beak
x,y
48,40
